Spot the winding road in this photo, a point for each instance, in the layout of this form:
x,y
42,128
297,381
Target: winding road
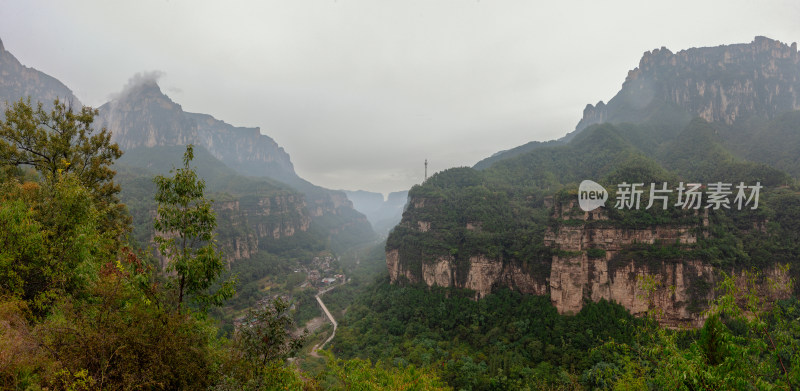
x,y
328,314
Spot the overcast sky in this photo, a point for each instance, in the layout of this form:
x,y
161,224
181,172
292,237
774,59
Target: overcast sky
x,y
359,93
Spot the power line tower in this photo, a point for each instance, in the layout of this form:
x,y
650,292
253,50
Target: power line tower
x,y
426,170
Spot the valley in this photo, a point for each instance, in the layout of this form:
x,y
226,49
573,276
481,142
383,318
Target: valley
x,y
123,265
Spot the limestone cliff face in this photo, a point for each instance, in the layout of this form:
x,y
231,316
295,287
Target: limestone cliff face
x,y
332,202
724,83
278,217
397,270
244,223
678,289
142,116
483,275
245,150
576,279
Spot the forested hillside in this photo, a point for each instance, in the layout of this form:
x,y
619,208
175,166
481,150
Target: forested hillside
x,y
82,309
514,220
145,247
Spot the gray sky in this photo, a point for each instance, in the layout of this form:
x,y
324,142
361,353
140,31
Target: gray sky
x,y
359,93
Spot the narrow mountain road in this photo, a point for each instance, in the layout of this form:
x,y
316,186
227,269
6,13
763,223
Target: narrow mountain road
x,y
328,314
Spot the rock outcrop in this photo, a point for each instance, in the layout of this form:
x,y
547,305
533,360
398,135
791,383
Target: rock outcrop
x,y
677,289
500,227
245,223
483,275
720,84
142,117
18,81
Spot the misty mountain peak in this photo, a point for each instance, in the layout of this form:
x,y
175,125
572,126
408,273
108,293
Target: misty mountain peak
x,y
143,116
148,86
142,86
141,90
2,48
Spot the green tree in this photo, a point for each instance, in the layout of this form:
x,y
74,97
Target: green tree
x,y
265,334
185,225
63,141
745,343
358,374
261,344
52,240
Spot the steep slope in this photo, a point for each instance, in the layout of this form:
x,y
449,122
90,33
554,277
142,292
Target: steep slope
x,y
517,224
240,165
728,83
740,86
143,117
775,142
245,150
516,151
698,153
253,214
18,81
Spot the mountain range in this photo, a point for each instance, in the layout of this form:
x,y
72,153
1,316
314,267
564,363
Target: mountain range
x,y
263,204
725,114
727,84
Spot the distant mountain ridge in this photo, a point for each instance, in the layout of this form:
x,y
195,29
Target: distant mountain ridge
x,y
382,214
265,198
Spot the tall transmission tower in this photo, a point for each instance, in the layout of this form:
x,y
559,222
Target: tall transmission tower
x,y
426,169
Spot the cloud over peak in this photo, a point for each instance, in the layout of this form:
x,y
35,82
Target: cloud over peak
x,y
138,81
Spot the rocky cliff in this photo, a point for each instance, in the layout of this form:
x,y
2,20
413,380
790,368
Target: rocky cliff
x,y
245,150
142,117
18,81
245,224
253,214
249,224
720,84
591,259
